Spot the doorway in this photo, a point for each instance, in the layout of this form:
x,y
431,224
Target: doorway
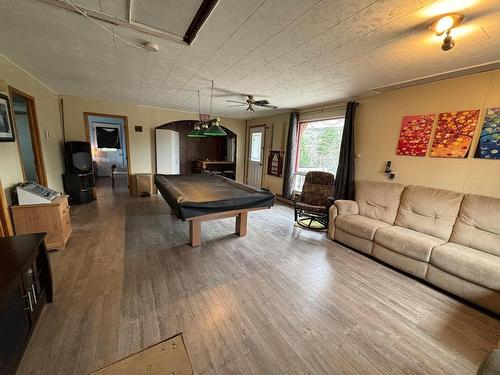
x,y
108,138
256,155
28,136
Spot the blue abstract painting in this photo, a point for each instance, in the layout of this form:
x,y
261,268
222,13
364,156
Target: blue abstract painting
x,y
488,146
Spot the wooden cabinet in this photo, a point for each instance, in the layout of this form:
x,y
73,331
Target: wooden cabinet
x,y
25,287
52,218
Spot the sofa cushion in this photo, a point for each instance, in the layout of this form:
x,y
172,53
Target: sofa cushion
x,y
361,226
412,266
430,211
478,224
469,264
379,200
407,242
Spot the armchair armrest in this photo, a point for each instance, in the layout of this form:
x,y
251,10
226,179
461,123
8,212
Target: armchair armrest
x,y
347,207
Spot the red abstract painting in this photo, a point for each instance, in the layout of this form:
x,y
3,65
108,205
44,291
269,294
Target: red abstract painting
x,y
415,135
454,133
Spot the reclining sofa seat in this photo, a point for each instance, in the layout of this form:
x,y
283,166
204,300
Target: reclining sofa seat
x,y
425,219
469,264
355,223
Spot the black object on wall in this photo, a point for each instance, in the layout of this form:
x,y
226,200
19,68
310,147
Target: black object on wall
x,y
290,155
25,287
344,179
78,157
107,137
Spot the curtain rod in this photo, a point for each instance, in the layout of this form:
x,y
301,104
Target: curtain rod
x,y
326,109
323,109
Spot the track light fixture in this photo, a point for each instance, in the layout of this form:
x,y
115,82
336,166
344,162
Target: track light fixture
x,y
443,25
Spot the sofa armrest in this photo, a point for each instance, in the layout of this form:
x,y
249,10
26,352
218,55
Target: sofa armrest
x,y
332,214
346,207
491,364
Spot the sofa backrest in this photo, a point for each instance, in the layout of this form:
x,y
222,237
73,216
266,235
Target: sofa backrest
x,y
478,224
428,210
379,200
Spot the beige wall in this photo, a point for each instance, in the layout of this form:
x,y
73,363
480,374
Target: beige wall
x,y
377,130
142,152
48,120
276,135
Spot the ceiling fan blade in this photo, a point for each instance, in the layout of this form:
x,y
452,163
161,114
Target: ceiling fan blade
x,y
237,105
268,106
236,101
261,102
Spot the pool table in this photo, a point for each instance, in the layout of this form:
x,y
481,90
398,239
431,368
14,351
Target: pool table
x,y
202,197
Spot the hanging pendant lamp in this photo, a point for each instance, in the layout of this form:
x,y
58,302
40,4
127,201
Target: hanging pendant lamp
x,y
215,130
198,132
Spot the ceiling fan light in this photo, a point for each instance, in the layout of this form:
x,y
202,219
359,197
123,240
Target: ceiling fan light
x,y
446,22
215,130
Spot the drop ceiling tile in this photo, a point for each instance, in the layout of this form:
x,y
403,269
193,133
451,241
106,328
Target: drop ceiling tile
x,y
384,11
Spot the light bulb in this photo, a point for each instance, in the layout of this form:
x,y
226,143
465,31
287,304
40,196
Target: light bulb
x,y
444,24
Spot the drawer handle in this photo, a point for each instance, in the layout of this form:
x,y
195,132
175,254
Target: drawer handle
x,y
29,301
34,293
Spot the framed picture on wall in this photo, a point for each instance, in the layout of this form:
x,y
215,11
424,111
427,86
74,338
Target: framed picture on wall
x,y
6,129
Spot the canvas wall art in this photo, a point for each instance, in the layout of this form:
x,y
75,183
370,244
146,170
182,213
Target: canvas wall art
x,y
454,134
488,146
415,135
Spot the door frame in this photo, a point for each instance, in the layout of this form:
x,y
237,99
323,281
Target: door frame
x,y
249,150
35,134
6,227
86,116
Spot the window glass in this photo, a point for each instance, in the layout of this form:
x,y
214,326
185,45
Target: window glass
x,y
256,147
319,148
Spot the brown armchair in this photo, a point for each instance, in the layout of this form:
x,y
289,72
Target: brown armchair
x,y
312,205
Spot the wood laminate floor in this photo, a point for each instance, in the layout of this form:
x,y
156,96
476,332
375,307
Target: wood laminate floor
x,y
281,300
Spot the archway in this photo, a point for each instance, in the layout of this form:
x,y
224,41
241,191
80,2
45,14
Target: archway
x,y
194,150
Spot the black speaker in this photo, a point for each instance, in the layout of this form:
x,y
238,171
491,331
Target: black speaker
x,y
78,157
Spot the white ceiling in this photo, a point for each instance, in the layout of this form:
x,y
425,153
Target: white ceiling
x,y
295,53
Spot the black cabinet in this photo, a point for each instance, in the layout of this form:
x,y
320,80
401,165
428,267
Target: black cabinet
x,y
25,287
79,187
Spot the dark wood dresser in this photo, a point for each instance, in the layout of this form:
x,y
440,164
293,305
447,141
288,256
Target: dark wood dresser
x,y
25,287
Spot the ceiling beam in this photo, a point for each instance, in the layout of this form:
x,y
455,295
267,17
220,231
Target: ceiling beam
x,y
129,10
116,21
199,19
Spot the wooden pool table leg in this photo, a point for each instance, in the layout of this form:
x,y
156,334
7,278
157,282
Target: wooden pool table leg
x,y
241,224
195,232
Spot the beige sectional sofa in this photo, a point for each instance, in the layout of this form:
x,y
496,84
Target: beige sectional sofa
x,y
450,239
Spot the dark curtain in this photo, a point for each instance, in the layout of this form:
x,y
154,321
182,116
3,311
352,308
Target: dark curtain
x,y
344,179
291,155
107,137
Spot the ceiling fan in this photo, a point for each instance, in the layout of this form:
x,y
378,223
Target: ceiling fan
x,y
250,103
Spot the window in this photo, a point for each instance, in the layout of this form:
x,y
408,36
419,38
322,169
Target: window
x,y
319,148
